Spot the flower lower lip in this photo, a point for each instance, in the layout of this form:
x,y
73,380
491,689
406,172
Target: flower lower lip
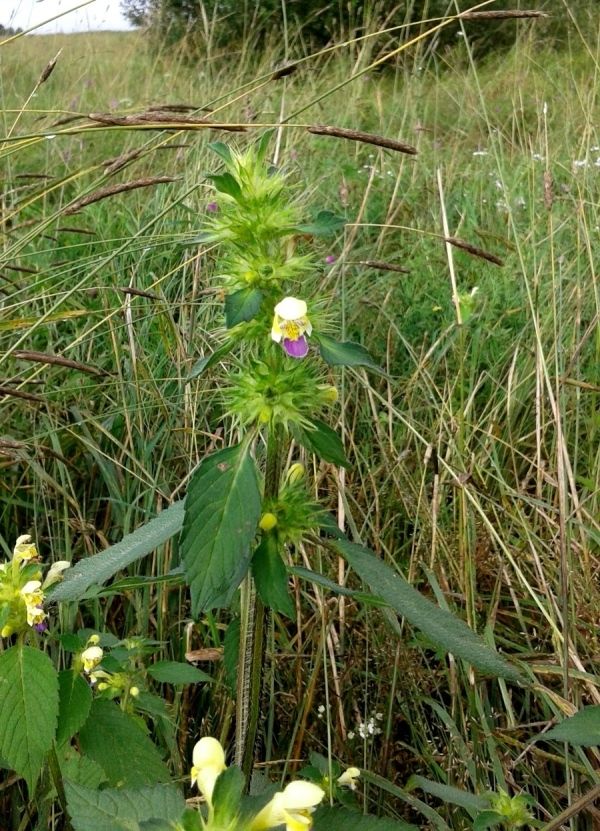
x,y
296,348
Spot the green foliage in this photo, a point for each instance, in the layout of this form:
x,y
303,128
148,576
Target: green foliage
x,y
341,819
222,510
28,710
75,701
120,745
242,305
271,576
173,672
101,567
444,629
123,809
319,438
345,354
582,729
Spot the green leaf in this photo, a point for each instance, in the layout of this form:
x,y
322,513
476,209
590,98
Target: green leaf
x,y
122,810
342,819
325,224
271,576
28,710
242,305
471,802
331,585
75,700
442,627
487,819
121,747
222,150
345,354
323,442
263,145
202,364
226,797
582,729
222,510
227,183
80,769
101,567
174,672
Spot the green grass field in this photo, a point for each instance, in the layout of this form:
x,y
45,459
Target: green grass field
x,y
474,460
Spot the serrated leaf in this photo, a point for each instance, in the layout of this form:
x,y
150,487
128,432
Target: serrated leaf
x,y
222,150
473,803
242,305
99,568
202,364
331,585
227,183
325,224
80,769
75,700
121,747
122,810
28,710
271,577
323,442
342,819
582,729
442,627
487,819
345,353
175,672
222,510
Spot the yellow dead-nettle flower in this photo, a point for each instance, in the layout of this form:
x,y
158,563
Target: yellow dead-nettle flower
x,y
32,593
208,759
291,326
55,574
293,807
348,778
91,657
24,549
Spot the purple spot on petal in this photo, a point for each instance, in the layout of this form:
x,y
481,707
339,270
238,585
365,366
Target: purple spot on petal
x,y
296,348
41,627
212,207
330,259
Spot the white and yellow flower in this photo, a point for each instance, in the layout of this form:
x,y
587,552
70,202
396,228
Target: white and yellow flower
x,y
208,758
291,326
24,549
55,574
291,807
91,657
348,778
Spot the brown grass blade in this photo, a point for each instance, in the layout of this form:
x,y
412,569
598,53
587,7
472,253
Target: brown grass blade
x,y
163,121
472,249
57,360
503,14
382,266
112,190
139,293
26,396
364,138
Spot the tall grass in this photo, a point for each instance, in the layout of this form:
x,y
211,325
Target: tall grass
x,y
475,461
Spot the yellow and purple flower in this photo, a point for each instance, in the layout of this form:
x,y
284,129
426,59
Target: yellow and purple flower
x,y
291,326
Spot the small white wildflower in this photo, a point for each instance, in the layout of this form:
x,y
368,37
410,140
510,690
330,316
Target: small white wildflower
x,y
480,153
537,157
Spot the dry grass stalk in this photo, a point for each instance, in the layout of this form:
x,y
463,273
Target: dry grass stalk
x,y
548,190
57,360
112,190
364,138
48,69
472,249
382,266
163,121
26,396
119,162
139,293
503,14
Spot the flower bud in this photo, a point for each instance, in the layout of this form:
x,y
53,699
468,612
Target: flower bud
x,y
348,778
296,473
134,691
208,759
267,522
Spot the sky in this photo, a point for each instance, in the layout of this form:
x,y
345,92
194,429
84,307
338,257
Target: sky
x,y
99,14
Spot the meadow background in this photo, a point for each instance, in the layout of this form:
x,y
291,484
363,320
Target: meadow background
x,y
474,462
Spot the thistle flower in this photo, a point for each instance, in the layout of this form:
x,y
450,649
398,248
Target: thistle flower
x,y
208,759
291,326
292,806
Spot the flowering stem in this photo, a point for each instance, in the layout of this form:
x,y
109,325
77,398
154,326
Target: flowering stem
x,y
252,635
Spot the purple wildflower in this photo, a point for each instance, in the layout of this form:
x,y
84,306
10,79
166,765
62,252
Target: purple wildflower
x,y
330,259
212,207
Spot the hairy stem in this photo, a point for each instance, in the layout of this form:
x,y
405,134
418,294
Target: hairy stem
x,y
252,636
